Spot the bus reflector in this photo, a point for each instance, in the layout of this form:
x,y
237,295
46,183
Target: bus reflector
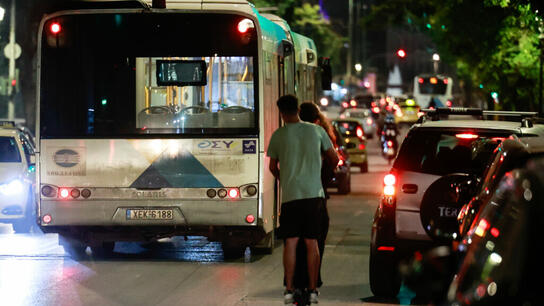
x,y
55,28
222,193
245,25
386,248
250,218
64,193
466,136
233,193
47,219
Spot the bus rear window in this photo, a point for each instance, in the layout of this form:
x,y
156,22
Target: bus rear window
x,y
443,153
99,76
432,86
9,153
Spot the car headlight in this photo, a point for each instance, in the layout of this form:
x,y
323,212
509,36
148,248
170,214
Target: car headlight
x,y
11,188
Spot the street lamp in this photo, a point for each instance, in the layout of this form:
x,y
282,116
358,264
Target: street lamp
x,y
436,59
358,67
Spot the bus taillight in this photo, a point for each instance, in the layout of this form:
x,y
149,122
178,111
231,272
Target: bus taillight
x,y
244,25
234,193
64,193
55,28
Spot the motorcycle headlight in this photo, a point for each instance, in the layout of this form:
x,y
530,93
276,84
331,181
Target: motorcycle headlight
x,y
11,188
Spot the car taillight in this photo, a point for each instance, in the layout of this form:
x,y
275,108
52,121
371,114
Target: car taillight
x,y
353,103
376,110
389,143
482,227
340,162
466,136
389,190
361,146
368,121
359,132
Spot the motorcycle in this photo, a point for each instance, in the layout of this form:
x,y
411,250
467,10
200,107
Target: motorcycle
x,y
389,145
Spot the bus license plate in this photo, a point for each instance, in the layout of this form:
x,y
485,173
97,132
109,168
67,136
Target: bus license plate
x,y
150,214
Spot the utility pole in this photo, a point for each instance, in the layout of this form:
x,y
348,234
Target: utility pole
x,y
350,42
11,87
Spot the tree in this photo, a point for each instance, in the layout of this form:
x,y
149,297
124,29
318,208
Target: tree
x,y
492,42
306,19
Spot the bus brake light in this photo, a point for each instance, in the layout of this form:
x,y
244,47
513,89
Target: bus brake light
x,y
233,193
64,193
55,28
420,80
244,25
466,136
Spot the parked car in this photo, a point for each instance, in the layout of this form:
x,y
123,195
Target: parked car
x,y
420,201
17,179
492,262
354,141
342,174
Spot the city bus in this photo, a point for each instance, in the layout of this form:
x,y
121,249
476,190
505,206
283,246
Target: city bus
x,y
433,90
154,122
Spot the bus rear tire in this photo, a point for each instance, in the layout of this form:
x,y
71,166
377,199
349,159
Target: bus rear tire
x,y
103,250
75,248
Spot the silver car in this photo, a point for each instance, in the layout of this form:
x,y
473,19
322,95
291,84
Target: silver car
x,y
364,116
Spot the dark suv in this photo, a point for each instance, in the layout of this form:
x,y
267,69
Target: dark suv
x,y
421,199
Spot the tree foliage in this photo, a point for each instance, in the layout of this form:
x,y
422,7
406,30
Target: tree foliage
x,y
494,43
306,19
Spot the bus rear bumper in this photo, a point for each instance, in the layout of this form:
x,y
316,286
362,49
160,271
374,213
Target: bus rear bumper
x,y
184,212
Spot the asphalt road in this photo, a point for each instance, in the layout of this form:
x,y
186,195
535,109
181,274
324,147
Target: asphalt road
x,y
34,270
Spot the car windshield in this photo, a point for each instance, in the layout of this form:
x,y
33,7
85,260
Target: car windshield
x,y
442,153
9,153
348,128
112,84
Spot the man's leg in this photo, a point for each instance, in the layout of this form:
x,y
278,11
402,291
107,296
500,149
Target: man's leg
x,y
289,261
313,262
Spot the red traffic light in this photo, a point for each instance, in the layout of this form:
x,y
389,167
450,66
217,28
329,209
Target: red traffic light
x,y
401,53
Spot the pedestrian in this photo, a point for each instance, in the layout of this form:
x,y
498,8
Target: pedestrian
x,y
295,151
310,112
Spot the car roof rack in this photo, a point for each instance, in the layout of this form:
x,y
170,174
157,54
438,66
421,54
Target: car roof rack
x,y
526,118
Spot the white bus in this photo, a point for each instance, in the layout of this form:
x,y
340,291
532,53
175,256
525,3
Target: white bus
x,y
433,90
154,122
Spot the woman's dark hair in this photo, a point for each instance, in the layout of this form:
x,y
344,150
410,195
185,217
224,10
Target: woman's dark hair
x,y
309,112
288,104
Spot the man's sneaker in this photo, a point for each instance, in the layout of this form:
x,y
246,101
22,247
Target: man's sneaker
x,y
313,296
288,297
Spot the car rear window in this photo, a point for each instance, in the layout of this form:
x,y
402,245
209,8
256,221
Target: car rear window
x,y
442,153
347,128
9,153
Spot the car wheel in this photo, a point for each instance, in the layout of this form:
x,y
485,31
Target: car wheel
x,y
364,168
383,273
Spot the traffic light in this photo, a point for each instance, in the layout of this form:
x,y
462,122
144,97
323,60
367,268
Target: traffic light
x,y
401,53
495,96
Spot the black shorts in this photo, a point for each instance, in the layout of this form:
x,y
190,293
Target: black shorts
x,y
301,218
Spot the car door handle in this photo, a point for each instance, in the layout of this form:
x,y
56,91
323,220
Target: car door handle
x,y
409,188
